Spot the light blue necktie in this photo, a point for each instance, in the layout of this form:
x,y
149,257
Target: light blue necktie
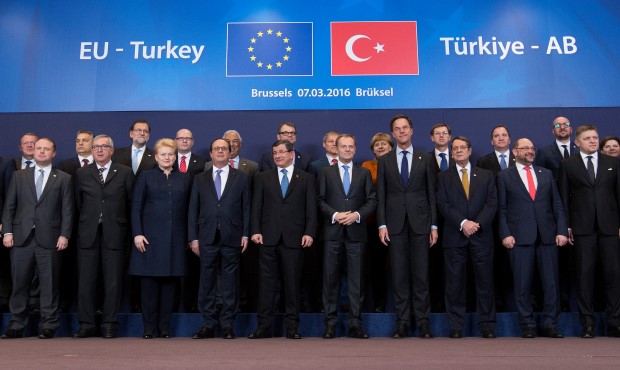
x,y
134,160
404,168
39,184
218,184
284,182
502,161
346,181
444,162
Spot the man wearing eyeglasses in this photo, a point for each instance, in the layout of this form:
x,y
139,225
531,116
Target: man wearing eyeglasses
x,y
551,155
532,225
187,161
286,132
283,223
103,192
138,156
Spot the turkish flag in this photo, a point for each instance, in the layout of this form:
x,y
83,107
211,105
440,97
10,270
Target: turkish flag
x,y
374,48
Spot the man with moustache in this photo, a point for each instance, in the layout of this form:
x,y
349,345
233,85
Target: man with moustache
x,y
103,192
407,219
346,198
283,222
590,188
467,199
532,225
219,230
37,221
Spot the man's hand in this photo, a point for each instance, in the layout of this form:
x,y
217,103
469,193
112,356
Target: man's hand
x,y
257,238
306,241
470,228
433,237
384,236
508,242
346,218
140,242
62,243
560,240
195,247
571,238
244,243
7,240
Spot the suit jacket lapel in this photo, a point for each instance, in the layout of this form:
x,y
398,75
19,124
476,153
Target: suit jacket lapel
x,y
30,179
49,184
293,182
232,175
456,179
355,176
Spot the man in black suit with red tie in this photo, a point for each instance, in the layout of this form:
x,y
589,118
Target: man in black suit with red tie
x,y
219,231
103,192
467,199
188,161
407,219
590,188
37,222
496,161
283,222
346,198
532,225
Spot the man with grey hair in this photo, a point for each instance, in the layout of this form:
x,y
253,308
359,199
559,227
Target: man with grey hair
x,y
103,199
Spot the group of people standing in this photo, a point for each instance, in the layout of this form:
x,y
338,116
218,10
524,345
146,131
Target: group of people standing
x,y
515,202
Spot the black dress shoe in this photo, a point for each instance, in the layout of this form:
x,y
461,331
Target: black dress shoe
x,y
260,333
12,334
588,332
108,333
613,331
228,333
204,333
402,331
293,334
487,334
425,332
528,333
330,332
165,335
46,334
358,333
552,333
455,334
84,333
147,336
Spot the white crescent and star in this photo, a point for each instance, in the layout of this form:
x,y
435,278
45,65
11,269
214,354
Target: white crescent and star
x,y
349,48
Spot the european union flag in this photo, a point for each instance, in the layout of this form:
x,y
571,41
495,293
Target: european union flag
x,y
269,49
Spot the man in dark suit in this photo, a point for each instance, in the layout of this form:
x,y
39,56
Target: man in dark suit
x,y
346,198
68,273
283,222
37,221
138,156
550,157
467,199
219,230
188,161
496,161
440,135
287,132
7,167
26,147
250,168
103,193
331,153
532,224
590,188
407,219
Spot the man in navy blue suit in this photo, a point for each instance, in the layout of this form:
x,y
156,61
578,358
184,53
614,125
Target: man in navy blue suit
x,y
331,153
532,224
467,199
219,230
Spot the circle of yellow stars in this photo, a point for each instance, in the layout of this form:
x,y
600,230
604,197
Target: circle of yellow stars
x,y
260,35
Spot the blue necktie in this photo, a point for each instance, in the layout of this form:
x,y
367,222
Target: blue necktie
x,y
591,169
39,184
502,161
218,184
444,163
134,160
346,181
404,168
28,164
284,183
566,154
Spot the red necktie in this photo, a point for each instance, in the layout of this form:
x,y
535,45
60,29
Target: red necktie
x,y
183,165
530,183
334,161
84,162
231,163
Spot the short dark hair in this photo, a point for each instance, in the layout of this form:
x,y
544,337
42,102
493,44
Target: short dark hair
x,y
399,116
500,126
437,125
289,146
139,121
84,132
609,138
219,138
462,138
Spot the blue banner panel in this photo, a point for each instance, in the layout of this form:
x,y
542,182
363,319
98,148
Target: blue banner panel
x,y
144,55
